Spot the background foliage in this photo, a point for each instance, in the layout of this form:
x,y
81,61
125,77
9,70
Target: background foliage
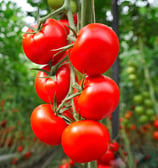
x,y
138,25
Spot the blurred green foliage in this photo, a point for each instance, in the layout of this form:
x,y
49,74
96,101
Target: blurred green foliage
x,y
17,81
138,34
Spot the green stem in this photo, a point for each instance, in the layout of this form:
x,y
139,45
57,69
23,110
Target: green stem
x,y
69,13
66,7
86,12
131,160
92,164
55,67
58,11
66,99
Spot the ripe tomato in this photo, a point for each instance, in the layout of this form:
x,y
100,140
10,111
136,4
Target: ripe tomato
x,y
156,123
20,149
99,97
114,146
46,125
155,135
38,46
106,158
95,49
47,87
27,155
103,166
85,140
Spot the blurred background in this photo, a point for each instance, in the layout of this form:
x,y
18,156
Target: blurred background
x,y
138,33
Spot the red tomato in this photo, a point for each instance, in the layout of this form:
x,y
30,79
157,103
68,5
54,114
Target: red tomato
x,y
27,155
47,87
20,148
99,97
114,146
14,161
156,123
38,46
106,158
85,140
155,135
65,22
65,165
75,19
95,49
103,166
46,125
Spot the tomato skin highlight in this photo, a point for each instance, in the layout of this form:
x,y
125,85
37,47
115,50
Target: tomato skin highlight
x,y
47,87
95,49
85,140
46,125
38,46
99,97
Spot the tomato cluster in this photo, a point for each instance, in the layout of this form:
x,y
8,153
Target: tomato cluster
x,y
72,111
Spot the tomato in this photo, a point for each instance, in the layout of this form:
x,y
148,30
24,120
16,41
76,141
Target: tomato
x,y
103,166
95,49
46,125
20,149
55,4
139,109
131,69
143,119
156,123
133,127
148,102
65,165
106,158
75,19
27,155
85,140
145,94
38,46
47,87
132,77
155,135
138,99
150,112
114,146
14,161
99,97
128,114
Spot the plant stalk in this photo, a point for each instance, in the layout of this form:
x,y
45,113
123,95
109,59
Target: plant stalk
x,y
86,12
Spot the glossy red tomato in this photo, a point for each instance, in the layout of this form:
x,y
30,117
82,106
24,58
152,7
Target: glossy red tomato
x,y
99,97
114,146
156,123
47,87
38,46
85,140
95,49
46,125
106,158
